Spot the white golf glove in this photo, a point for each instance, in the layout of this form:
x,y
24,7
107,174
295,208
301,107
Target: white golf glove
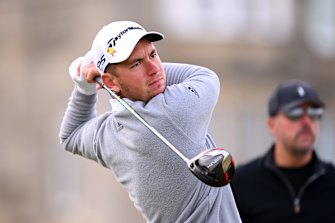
x,y
79,79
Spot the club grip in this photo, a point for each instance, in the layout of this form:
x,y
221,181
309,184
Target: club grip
x,y
98,80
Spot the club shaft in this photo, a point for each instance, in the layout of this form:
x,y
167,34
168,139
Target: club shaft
x,y
146,124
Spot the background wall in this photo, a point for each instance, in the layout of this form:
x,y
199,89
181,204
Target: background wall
x,y
251,44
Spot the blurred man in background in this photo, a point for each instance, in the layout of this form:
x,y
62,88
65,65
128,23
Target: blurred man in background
x,y
289,183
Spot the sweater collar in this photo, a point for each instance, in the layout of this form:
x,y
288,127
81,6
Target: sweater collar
x,y
116,106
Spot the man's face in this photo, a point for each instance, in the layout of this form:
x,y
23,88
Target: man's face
x,y
141,76
296,135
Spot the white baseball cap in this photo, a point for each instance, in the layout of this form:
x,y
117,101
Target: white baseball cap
x,y
115,42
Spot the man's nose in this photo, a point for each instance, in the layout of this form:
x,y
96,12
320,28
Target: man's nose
x,y
152,67
306,118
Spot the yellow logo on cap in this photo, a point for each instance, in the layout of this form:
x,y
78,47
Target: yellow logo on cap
x,y
111,51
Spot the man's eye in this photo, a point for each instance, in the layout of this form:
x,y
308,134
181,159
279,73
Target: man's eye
x,y
135,65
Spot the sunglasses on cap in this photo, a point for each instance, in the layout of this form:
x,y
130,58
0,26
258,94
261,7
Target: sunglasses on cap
x,y
298,112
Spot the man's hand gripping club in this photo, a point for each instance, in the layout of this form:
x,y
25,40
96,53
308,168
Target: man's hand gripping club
x,y
83,71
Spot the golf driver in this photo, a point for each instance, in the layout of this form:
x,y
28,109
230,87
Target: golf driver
x,y
214,167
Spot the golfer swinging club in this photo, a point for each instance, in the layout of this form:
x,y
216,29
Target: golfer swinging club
x,y
176,99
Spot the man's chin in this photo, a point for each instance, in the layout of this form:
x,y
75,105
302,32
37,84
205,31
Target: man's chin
x,y
158,89
155,93
303,149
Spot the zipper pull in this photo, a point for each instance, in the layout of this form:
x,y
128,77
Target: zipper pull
x,y
297,205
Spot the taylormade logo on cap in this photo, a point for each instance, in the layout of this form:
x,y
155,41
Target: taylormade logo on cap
x,y
112,41
115,42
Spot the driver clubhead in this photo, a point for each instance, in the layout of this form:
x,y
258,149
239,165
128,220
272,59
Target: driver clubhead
x,y
214,167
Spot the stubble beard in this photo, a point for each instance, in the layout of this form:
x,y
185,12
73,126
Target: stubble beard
x,y
302,146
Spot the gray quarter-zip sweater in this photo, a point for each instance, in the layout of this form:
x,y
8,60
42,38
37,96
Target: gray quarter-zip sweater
x,y
156,178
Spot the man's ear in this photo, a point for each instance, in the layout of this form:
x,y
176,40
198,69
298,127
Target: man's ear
x,y
111,82
271,124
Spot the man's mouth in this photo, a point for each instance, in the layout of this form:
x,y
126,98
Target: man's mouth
x,y
155,80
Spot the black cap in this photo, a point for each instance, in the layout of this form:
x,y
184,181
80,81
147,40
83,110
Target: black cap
x,y
292,93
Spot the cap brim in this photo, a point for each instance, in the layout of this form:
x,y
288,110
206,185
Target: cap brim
x,y
316,103
154,36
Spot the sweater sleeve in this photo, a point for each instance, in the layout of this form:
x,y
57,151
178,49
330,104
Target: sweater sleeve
x,y
78,123
191,95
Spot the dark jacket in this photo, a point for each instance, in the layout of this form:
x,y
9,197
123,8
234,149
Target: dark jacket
x,y
264,194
